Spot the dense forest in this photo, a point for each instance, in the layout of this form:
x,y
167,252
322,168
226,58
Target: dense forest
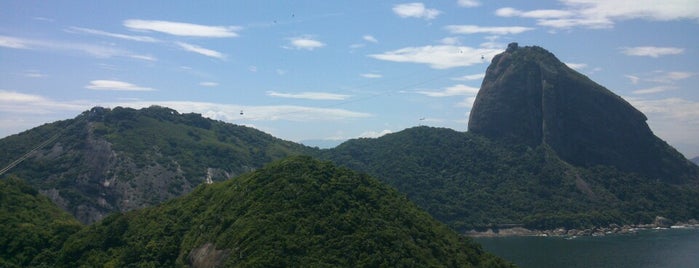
x,y
297,212
469,181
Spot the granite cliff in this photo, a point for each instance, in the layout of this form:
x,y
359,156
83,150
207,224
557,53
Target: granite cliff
x,y
530,97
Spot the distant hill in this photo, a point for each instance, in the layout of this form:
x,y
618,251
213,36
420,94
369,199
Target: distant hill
x,y
695,160
297,212
110,160
32,227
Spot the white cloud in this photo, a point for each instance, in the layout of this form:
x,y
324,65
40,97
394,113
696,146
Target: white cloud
x,y
26,110
675,120
537,14
200,50
634,79
144,57
305,42
309,95
231,112
374,134
668,77
450,41
597,14
97,51
12,42
10,96
672,108
468,3
34,74
371,75
651,51
181,28
208,84
576,66
115,85
474,29
467,102
138,38
370,38
415,10
455,90
470,77
439,57
656,89
16,104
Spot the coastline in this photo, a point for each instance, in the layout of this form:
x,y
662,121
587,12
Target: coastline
x,y
613,229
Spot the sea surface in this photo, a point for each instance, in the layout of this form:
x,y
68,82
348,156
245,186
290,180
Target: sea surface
x,y
676,248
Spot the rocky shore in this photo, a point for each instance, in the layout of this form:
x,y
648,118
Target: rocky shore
x,y
612,229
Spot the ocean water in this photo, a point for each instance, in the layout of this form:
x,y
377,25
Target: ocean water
x,y
676,248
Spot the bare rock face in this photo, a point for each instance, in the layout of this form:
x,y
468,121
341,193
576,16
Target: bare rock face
x,y
530,97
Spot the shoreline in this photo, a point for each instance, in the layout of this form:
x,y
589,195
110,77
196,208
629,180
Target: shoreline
x,y
612,229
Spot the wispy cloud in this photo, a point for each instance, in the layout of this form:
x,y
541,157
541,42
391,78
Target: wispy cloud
x,y
138,38
415,10
668,77
115,85
309,95
82,48
374,134
182,28
370,38
674,119
475,29
305,42
208,84
536,14
603,13
651,51
34,74
13,103
576,66
468,3
470,77
439,57
13,42
200,50
456,90
661,80
371,75
656,89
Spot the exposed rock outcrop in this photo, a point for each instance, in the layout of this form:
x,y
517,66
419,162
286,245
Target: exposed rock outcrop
x,y
530,97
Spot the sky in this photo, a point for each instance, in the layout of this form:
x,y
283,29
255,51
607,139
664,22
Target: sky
x,y
321,72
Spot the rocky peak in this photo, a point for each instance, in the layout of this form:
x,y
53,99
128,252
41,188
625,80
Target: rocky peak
x,y
530,97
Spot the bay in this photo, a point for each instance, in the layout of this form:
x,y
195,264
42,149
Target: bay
x,y
647,248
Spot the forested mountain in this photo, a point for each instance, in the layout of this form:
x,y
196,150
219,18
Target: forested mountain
x,y
109,160
546,148
297,212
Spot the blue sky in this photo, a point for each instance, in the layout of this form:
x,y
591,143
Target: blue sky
x,y
335,70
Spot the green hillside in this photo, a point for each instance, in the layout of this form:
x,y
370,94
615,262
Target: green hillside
x,y
469,181
297,212
32,228
109,160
